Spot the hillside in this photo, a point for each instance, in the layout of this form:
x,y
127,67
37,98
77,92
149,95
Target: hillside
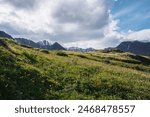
x,y
5,35
136,47
31,73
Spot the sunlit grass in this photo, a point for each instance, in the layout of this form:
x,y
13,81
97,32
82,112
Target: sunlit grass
x,y
31,73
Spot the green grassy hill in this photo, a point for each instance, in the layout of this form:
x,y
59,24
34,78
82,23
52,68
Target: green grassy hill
x,y
30,73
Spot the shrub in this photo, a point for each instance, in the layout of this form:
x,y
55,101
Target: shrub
x,y
26,46
45,51
108,50
82,56
3,43
60,53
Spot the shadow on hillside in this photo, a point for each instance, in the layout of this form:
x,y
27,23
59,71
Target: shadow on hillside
x,y
143,60
17,82
2,43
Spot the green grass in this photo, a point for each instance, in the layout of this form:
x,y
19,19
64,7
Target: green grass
x,y
30,73
61,53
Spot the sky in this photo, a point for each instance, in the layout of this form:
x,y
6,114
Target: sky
x,y
80,23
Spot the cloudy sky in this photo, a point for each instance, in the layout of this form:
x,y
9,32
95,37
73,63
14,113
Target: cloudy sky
x,y
82,23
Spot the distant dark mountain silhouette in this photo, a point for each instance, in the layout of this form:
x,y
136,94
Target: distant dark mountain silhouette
x,y
27,42
76,49
56,46
5,35
136,47
41,44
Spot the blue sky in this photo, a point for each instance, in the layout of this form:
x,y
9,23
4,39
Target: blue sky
x,y
83,23
133,14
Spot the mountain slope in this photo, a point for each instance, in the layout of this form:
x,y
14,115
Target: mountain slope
x,y
5,35
29,73
136,47
41,44
27,42
56,46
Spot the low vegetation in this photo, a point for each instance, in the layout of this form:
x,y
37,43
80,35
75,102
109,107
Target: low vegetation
x,y
61,53
45,51
29,73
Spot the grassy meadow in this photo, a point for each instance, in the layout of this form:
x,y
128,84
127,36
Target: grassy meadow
x,y
31,73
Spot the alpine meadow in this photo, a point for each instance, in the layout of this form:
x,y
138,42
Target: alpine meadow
x,y
32,73
75,50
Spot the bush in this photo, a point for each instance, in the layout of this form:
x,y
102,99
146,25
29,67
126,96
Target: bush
x,y
60,53
3,43
26,46
45,51
108,50
82,56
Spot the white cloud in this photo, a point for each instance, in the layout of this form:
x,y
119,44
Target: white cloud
x,y
139,35
65,19
83,23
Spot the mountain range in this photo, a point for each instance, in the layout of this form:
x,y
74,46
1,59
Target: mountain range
x,y
76,49
136,47
41,44
44,44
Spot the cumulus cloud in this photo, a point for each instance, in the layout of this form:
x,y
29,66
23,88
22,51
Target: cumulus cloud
x,y
83,23
139,35
63,20
23,4
86,14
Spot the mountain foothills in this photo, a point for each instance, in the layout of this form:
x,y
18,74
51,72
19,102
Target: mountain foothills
x,y
34,73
